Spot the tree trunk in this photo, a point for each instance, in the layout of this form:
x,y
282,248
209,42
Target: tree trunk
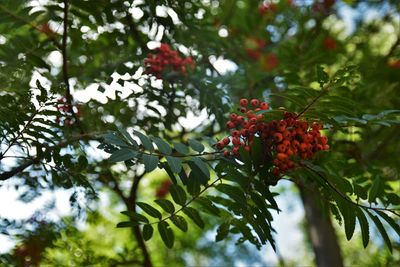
x,y
322,234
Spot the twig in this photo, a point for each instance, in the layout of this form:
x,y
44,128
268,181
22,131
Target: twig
x,y
394,211
68,95
33,26
6,175
312,102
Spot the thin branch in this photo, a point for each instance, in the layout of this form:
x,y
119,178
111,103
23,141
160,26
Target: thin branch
x,y
323,91
32,25
30,120
8,174
394,211
68,95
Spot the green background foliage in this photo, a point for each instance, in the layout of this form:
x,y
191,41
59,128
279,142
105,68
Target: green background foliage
x,y
126,133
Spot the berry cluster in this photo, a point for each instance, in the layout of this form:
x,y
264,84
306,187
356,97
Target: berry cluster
x,y
66,117
163,189
282,140
254,47
330,44
167,59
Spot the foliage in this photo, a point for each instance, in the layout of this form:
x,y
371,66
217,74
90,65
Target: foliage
x,y
108,93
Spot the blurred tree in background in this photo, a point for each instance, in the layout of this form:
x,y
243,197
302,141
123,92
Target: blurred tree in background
x,y
87,88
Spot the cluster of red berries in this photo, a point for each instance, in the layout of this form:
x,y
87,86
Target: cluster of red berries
x,y
66,117
255,47
330,44
167,59
163,189
282,140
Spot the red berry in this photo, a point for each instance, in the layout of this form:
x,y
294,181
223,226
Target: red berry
x,y
255,102
236,141
264,105
230,125
282,156
233,116
244,102
226,153
278,137
243,110
226,141
235,133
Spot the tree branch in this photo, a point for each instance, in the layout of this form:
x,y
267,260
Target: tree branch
x,y
7,175
394,211
68,95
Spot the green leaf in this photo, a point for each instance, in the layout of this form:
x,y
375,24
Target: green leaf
x,y
166,233
147,232
178,194
202,166
147,144
128,137
208,206
166,205
174,163
126,224
135,216
233,192
364,225
390,221
194,216
153,212
349,217
162,146
196,145
180,222
181,148
322,76
111,138
381,229
150,162
122,155
376,189
222,231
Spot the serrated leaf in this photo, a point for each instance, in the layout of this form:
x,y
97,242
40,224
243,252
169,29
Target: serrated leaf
x,y
381,230
127,224
233,192
150,162
178,194
196,145
194,216
162,146
135,216
180,222
202,166
376,189
181,148
166,233
390,221
122,155
128,137
147,232
153,212
147,144
175,163
166,205
349,218
364,225
222,231
207,205
112,139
